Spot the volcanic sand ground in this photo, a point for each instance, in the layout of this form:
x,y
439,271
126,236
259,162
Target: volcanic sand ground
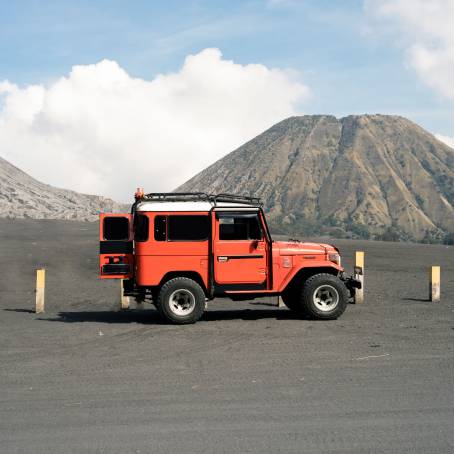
x,y
84,377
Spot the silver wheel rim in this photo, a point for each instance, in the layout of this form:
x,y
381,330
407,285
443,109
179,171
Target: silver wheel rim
x,y
182,302
325,298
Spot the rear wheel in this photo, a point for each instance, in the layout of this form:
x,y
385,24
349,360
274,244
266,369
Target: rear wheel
x,y
181,300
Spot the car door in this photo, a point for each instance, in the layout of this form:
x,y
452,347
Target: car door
x,y
115,246
240,251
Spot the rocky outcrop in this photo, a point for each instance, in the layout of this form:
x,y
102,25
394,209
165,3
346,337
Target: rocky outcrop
x,y
21,196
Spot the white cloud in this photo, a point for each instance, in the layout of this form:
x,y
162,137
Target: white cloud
x,y
425,28
446,139
100,130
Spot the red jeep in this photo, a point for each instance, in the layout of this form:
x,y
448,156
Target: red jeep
x,y
182,249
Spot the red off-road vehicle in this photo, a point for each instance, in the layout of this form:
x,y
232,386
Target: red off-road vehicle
x,y
184,249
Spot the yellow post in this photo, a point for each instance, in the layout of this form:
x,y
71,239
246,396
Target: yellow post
x,y
359,275
434,290
124,300
280,302
40,290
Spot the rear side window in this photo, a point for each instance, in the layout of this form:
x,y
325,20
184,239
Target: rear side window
x,y
239,227
116,229
160,228
181,228
141,227
187,228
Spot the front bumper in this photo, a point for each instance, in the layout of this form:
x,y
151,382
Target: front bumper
x,y
351,283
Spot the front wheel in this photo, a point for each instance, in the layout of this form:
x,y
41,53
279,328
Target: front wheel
x,y
181,301
323,297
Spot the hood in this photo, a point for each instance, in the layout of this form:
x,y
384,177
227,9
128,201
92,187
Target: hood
x,y
297,248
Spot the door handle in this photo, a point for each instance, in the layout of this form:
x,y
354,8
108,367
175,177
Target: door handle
x,y
223,258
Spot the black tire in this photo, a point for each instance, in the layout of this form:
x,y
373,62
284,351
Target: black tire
x,y
323,297
181,301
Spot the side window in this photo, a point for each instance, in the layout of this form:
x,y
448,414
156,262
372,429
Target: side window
x,y
116,229
160,228
239,227
181,228
141,227
188,228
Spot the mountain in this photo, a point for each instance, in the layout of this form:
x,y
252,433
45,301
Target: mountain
x,y
369,176
21,196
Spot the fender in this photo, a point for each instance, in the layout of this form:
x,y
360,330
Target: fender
x,y
309,269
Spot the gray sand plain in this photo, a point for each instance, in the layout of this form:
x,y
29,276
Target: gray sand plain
x,y
249,377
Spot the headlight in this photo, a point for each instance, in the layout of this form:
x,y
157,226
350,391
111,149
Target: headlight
x,y
334,257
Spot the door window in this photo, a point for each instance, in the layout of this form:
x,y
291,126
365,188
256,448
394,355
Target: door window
x,y
239,227
116,229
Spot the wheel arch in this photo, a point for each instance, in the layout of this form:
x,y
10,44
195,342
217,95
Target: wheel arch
x,y
188,274
305,273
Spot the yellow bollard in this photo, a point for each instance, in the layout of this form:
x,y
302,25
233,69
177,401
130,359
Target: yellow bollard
x,y
280,302
40,290
434,290
124,300
359,275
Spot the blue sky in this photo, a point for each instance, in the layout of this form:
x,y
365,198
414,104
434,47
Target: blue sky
x,y
347,70
353,56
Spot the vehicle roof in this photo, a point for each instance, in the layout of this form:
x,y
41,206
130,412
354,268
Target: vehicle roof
x,y
192,206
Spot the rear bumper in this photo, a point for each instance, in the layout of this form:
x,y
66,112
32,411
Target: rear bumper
x,y
116,268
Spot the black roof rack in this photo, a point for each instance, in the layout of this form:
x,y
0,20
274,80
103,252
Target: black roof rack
x,y
176,197
237,199
200,196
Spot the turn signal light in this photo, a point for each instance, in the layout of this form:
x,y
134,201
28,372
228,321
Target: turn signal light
x,y
334,257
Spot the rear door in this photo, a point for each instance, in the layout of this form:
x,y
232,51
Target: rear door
x,y
240,251
115,246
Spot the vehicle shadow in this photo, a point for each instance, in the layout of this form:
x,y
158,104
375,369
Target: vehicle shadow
x,y
152,317
124,316
251,314
25,311
419,300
